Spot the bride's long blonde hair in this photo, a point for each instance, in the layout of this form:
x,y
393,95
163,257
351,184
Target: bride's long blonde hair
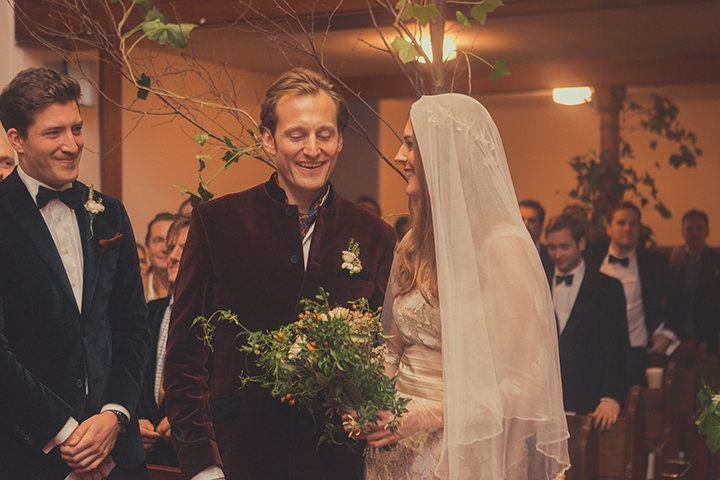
x,y
416,253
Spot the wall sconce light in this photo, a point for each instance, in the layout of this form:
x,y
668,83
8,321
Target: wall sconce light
x,y
572,96
449,51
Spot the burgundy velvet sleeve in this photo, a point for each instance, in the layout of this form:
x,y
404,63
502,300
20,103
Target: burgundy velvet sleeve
x,y
186,375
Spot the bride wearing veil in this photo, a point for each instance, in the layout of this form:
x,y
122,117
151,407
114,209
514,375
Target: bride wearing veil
x,y
474,342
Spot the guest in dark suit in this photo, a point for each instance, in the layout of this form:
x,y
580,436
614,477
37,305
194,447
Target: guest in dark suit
x,y
644,276
694,300
593,342
73,329
533,215
154,425
257,253
7,159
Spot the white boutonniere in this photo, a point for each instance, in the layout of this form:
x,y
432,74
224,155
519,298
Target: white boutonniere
x,y
93,207
351,258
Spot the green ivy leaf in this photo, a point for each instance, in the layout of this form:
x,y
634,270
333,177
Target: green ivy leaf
x,y
462,19
406,50
228,142
424,13
144,4
194,199
499,70
205,194
201,138
144,81
157,27
406,13
201,161
480,11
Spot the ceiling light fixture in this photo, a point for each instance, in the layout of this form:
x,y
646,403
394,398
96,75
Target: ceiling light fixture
x,y
449,52
572,96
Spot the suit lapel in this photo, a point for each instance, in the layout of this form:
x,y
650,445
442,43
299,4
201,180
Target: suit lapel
x,y
580,301
25,212
91,252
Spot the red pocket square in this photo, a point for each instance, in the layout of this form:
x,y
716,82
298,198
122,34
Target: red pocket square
x,y
108,244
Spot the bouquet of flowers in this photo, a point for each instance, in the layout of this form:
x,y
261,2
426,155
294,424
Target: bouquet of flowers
x,y
327,360
708,422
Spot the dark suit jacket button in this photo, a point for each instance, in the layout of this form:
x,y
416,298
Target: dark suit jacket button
x,y
79,383
294,259
289,212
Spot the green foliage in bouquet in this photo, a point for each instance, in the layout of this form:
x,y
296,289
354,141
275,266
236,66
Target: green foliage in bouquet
x,y
328,360
709,420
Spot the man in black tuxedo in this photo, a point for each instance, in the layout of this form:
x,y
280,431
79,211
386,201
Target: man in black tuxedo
x,y
694,299
644,276
154,425
73,329
533,215
593,341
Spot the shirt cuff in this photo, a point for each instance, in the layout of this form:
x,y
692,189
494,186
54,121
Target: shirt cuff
x,y
212,472
115,406
62,435
669,334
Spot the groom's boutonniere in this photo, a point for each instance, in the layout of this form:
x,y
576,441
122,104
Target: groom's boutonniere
x,y
93,208
351,258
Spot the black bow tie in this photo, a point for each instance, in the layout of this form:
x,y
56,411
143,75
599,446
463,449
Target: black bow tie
x,y
625,261
566,279
72,197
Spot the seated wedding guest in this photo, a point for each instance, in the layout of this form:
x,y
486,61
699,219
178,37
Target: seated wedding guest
x,y
156,281
533,216
7,158
644,276
694,299
472,331
592,322
185,208
402,226
369,203
142,257
154,426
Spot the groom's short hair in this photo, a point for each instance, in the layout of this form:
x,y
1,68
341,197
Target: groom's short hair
x,y
31,91
301,81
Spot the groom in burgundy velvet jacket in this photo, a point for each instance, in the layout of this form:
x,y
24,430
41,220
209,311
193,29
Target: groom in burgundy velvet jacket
x,y
257,253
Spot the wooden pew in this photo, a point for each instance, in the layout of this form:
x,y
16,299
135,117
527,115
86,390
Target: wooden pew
x,y
622,448
583,447
158,472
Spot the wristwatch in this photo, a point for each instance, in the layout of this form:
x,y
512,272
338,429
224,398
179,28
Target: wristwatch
x,y
122,419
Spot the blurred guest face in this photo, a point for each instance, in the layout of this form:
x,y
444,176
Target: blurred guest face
x,y
564,251
51,151
624,230
531,219
7,159
408,158
695,231
142,257
156,250
306,144
175,248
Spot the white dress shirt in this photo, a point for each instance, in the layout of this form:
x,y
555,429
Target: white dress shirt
x,y
161,349
65,232
564,295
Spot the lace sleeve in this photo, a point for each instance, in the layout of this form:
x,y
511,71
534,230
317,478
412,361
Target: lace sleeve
x,y
395,347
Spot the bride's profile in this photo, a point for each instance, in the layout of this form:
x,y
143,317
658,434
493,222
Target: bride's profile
x,y
473,337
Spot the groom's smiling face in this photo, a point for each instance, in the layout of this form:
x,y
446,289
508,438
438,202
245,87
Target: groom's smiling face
x,y
306,143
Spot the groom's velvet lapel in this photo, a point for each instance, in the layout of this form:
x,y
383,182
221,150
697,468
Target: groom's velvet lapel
x,y
91,250
22,207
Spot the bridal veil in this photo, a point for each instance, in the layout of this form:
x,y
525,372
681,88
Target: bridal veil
x,y
504,415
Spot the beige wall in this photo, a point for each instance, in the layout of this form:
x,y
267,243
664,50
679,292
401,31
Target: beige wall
x,y
540,139
159,152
